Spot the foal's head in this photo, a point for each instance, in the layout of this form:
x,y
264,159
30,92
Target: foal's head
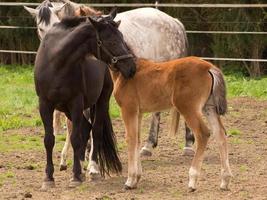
x,y
111,45
46,16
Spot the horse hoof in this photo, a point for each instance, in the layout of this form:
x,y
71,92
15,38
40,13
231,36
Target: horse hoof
x,y
145,152
224,189
126,187
192,189
74,183
48,185
63,167
95,176
188,151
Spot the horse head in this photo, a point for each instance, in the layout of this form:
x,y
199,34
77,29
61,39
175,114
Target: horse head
x,y
46,16
111,46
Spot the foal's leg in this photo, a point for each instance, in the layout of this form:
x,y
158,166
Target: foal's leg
x,y
132,123
57,122
189,141
152,140
46,112
219,133
195,122
76,110
63,163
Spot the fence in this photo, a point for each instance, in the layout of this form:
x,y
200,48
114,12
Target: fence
x,y
157,5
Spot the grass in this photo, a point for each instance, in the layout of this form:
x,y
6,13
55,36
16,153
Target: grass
x,y
19,107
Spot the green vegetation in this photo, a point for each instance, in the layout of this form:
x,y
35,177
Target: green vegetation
x,y
19,107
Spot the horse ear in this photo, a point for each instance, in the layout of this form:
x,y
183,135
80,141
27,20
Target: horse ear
x,y
32,11
118,23
93,22
57,9
82,12
113,12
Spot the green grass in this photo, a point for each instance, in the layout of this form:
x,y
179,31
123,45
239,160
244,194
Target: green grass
x,y
240,86
19,108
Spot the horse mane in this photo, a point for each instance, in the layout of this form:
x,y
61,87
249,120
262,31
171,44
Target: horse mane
x,y
87,11
69,22
45,12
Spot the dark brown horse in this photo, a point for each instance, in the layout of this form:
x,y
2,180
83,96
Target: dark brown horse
x,y
68,80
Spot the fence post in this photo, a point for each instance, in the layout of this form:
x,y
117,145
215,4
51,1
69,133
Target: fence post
x,y
156,4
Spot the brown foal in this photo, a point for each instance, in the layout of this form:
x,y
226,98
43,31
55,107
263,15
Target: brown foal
x,y
191,85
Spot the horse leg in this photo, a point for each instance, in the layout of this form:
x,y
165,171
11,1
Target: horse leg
x,y
86,129
220,136
189,141
152,140
63,163
76,111
132,121
46,112
195,122
57,122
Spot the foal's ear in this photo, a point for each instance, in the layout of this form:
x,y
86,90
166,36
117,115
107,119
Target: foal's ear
x,y
32,11
113,13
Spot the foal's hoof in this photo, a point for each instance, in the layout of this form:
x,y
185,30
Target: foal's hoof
x,y
74,183
188,151
224,188
48,185
63,167
145,152
126,187
192,189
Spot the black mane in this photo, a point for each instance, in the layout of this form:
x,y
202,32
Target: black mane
x,y
45,12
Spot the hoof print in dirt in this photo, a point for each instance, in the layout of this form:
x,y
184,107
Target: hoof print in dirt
x,y
48,185
27,195
192,189
63,168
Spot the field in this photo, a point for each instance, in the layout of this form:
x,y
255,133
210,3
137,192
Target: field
x,y
165,174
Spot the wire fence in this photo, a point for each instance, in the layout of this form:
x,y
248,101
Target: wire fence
x,y
157,5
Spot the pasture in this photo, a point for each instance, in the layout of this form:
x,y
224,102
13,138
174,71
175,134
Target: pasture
x,y
165,174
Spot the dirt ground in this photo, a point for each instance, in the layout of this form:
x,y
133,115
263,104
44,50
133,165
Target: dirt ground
x,y
165,174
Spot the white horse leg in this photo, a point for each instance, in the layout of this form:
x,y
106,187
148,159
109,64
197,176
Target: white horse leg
x,y
152,140
56,122
219,133
63,161
92,168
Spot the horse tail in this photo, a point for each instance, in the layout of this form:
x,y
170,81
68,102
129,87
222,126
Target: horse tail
x,y
218,93
108,153
175,118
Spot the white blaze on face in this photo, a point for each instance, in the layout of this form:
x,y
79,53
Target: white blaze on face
x,y
43,28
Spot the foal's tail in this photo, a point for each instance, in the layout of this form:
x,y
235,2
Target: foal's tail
x,y
218,93
108,153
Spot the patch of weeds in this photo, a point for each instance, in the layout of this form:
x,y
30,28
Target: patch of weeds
x,y
10,174
122,146
176,194
82,188
236,141
69,162
233,132
243,168
141,190
17,142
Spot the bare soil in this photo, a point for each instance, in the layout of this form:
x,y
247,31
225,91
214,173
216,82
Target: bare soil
x,y
165,173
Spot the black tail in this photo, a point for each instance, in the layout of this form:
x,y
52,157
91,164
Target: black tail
x,y
108,153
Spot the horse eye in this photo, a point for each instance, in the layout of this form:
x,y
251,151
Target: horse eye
x,y
41,30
